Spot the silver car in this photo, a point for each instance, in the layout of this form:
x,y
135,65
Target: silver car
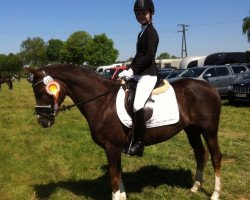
x,y
220,76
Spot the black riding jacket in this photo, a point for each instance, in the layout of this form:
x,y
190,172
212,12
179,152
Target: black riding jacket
x,y
144,60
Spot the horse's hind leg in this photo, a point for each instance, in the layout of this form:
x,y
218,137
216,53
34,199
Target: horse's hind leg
x,y
211,138
200,153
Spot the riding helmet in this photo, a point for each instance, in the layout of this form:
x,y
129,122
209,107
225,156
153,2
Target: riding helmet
x,y
144,5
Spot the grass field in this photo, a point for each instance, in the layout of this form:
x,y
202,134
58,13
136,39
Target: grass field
x,y
63,163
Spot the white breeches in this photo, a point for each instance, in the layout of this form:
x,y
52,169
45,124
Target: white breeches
x,y
144,88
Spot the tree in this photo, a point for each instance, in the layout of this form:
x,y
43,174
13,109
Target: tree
x,y
10,64
75,48
13,64
54,47
164,55
101,51
246,27
173,57
33,51
3,58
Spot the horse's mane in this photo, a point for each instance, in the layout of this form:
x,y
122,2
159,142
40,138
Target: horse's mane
x,y
69,67
78,72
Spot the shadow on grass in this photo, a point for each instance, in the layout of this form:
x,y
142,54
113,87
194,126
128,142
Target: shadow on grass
x,y
149,176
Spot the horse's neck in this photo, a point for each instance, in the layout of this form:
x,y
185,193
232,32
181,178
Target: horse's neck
x,y
84,85
89,90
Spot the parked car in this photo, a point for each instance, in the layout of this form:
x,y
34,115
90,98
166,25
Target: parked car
x,y
239,90
220,76
112,73
174,74
162,73
239,68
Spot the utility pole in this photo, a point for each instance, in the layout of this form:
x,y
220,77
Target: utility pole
x,y
184,44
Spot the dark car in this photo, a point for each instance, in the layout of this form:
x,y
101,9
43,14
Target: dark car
x,y
239,68
174,74
239,90
162,73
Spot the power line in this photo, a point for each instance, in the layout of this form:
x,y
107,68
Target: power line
x,y
184,43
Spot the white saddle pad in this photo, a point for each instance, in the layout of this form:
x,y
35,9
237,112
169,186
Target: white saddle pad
x,y
165,109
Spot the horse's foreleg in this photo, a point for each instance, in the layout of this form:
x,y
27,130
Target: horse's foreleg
x,y
195,141
114,161
213,146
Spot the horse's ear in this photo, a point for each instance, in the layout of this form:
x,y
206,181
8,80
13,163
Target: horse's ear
x,y
33,71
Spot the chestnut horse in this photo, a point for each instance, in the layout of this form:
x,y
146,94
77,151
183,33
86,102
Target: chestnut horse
x,y
95,96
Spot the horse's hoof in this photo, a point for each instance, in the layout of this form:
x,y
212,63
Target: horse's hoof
x,y
195,187
190,193
119,195
215,196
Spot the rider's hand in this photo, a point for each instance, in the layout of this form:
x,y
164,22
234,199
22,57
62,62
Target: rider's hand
x,y
126,73
47,79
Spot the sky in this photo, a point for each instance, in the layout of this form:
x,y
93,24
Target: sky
x,y
214,25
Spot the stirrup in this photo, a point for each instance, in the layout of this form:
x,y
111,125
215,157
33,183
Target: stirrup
x,y
136,149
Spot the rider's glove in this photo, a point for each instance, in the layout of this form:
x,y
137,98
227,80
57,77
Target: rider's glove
x,y
47,79
126,73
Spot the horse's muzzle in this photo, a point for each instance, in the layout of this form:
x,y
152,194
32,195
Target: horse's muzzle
x,y
45,121
45,115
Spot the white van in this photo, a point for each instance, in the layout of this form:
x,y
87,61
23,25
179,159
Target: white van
x,y
164,63
192,61
101,69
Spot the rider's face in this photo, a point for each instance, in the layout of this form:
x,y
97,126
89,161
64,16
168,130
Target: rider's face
x,y
143,16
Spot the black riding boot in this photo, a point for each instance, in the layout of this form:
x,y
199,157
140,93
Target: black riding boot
x,y
139,124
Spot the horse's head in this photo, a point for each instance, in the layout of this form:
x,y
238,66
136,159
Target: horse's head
x,y
49,94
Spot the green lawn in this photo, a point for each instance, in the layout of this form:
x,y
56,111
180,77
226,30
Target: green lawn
x,y
63,163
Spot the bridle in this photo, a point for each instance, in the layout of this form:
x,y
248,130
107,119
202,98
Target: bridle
x,y
53,109
53,89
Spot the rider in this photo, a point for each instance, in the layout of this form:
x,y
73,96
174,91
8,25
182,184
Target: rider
x,y
143,69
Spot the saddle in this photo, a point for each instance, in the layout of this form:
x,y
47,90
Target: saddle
x,y
130,87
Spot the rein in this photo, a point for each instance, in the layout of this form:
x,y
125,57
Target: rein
x,y
68,107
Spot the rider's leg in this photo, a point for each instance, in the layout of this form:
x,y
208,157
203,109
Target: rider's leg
x,y
144,88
